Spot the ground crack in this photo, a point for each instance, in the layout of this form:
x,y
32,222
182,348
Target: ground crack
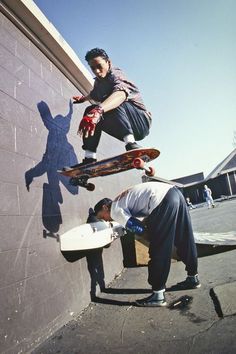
x,y
216,303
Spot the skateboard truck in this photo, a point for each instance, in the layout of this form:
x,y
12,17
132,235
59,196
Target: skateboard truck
x,y
82,182
140,164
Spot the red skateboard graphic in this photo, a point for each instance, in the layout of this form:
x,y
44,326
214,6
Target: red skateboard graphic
x,y
131,159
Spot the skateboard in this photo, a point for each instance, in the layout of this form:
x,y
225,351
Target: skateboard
x,y
138,158
90,236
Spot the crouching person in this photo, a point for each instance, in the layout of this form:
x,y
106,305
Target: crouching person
x,y
168,223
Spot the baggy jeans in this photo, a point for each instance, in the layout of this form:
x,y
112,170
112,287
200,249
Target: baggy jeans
x,y
169,225
119,122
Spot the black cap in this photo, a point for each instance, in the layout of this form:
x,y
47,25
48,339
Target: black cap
x,y
99,205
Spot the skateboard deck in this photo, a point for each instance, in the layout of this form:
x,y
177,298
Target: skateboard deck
x,y
137,158
90,236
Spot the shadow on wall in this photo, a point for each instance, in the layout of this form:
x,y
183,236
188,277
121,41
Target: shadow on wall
x,y
95,265
59,153
94,261
97,275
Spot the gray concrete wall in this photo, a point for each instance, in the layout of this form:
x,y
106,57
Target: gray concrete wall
x,y
40,288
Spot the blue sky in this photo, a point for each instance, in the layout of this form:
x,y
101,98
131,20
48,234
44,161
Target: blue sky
x,y
182,56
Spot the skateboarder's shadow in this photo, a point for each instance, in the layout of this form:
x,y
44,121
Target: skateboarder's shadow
x,y
95,263
59,153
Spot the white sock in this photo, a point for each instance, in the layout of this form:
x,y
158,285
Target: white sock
x,y
129,139
159,293
90,154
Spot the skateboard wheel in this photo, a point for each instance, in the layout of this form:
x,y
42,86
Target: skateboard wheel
x,y
138,163
90,187
151,172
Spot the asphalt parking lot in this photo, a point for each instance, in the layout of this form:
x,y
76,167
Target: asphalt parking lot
x,y
220,219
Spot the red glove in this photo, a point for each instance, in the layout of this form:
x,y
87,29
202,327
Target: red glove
x,y
79,99
89,121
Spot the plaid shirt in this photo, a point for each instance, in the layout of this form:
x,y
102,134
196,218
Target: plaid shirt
x,y
116,81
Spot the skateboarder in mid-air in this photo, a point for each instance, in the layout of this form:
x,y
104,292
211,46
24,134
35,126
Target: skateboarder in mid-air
x,y
168,223
120,111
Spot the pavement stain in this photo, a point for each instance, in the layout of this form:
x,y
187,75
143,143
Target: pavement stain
x,y
183,305
194,318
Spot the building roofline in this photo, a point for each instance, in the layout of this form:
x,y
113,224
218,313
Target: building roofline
x,y
219,169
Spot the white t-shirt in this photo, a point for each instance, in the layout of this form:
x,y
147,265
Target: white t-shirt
x,y
138,201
